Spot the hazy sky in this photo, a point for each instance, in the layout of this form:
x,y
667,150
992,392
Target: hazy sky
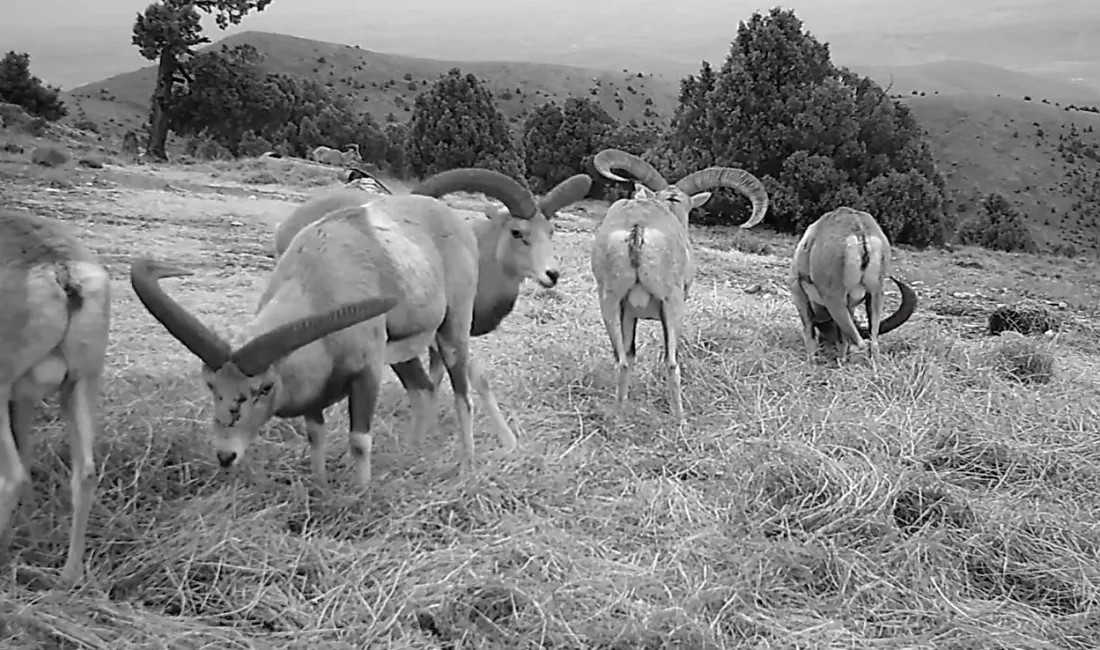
x,y
68,39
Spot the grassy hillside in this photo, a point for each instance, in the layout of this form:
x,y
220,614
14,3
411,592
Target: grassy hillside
x,y
987,144
954,77
943,497
385,84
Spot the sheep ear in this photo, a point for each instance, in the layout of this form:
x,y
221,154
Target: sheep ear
x,y
698,200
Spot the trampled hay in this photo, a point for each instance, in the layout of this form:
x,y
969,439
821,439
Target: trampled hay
x,y
936,501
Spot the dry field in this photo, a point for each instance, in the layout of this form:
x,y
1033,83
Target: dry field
x,y
948,500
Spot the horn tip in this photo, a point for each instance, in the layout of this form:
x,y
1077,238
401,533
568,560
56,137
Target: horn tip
x,y
148,266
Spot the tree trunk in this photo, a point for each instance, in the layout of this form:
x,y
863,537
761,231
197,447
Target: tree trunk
x,y
159,107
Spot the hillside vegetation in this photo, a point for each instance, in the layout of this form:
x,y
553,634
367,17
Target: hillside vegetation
x,y
971,134
1043,158
955,77
386,85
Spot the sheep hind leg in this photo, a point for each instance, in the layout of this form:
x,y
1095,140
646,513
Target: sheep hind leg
x,y
672,310
78,400
849,333
22,424
875,303
13,473
611,312
806,314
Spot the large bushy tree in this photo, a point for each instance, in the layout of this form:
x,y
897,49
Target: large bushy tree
x,y
818,135
557,142
456,123
18,86
231,100
168,32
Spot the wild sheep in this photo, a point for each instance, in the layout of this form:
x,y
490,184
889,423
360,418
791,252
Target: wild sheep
x,y
351,155
642,259
512,246
329,156
54,330
363,286
842,260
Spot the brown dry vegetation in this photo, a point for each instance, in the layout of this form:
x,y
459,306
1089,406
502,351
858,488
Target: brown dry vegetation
x,y
946,499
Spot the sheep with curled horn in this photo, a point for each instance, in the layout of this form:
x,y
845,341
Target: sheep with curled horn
x,y
843,259
54,331
363,286
642,257
514,243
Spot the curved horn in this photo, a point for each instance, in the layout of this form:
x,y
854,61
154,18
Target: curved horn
x,y
355,173
490,183
898,318
145,275
258,354
567,192
734,179
642,171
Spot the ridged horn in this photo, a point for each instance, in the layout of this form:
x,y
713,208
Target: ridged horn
x,y
898,318
145,275
355,173
734,179
641,171
257,355
567,192
490,183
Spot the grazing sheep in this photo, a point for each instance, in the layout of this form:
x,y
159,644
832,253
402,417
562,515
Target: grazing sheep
x,y
359,288
512,245
842,260
54,330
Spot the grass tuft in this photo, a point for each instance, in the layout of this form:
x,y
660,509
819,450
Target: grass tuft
x,y
932,500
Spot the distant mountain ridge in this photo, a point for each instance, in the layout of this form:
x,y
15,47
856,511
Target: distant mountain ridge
x,y
387,84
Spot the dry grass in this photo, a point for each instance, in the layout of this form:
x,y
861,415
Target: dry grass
x,y
936,502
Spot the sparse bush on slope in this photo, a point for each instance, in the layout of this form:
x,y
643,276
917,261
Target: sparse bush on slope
x,y
780,109
18,86
456,123
998,226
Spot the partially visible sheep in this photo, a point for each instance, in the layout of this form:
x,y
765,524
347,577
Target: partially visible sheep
x,y
329,156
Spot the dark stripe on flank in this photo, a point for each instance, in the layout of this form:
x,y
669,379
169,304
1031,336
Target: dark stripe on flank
x,y
634,244
75,299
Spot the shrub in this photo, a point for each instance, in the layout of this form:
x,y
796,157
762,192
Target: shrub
x,y
778,107
456,123
18,86
997,226
49,156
